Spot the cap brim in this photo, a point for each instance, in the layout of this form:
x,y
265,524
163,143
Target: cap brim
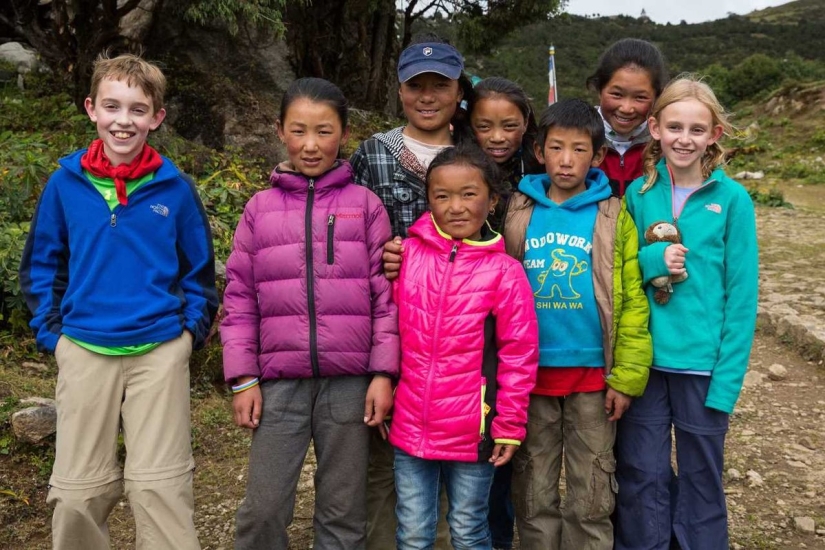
x,y
450,71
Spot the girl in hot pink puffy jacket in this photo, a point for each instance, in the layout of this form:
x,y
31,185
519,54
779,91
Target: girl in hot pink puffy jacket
x,y
469,355
310,335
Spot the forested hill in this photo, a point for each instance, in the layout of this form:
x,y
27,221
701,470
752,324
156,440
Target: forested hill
x,y
783,42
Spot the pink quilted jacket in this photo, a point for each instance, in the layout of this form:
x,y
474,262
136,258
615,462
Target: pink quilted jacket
x,y
469,342
306,294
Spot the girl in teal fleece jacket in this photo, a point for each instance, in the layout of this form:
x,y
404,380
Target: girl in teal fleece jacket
x,y
702,334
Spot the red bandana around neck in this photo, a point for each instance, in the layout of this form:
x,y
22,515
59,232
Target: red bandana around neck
x,y
96,162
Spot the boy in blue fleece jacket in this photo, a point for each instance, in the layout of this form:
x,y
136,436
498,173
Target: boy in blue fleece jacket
x,y
118,271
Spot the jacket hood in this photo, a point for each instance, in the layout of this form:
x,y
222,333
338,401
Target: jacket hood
x,y
427,231
535,186
294,182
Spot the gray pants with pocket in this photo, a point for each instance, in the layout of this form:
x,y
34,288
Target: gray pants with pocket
x,y
577,424
329,411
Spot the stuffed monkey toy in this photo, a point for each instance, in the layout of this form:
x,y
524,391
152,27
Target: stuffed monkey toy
x,y
664,232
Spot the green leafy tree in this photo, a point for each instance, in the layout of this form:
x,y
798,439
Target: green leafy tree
x,y
481,22
352,43
232,14
755,74
718,78
70,34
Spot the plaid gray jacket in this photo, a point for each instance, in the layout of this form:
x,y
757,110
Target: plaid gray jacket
x,y
385,166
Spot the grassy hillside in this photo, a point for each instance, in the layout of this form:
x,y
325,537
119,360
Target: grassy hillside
x,y
783,136
790,13
791,35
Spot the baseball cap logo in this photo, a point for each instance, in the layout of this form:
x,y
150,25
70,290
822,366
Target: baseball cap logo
x,y
430,57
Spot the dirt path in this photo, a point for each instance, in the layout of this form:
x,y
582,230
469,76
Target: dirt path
x,y
775,457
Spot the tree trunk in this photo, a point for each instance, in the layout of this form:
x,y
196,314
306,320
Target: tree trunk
x,y
338,40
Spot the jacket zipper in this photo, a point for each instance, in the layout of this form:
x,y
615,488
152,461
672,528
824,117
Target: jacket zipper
x,y
313,336
481,430
330,239
444,285
673,197
113,220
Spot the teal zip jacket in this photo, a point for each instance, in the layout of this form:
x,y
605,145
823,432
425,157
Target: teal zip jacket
x,y
709,322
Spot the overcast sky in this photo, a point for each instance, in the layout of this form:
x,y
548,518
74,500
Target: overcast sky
x,y
673,11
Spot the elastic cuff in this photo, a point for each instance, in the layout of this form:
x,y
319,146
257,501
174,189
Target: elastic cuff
x,y
515,442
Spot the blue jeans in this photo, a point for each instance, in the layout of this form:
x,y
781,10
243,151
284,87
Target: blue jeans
x,y
417,483
655,506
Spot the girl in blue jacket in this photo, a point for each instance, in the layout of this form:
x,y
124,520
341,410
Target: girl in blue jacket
x,y
702,327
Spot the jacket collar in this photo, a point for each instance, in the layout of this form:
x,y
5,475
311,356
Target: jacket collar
x,y
294,182
428,231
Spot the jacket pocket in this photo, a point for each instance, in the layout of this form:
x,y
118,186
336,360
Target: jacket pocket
x,y
346,396
331,239
601,498
523,485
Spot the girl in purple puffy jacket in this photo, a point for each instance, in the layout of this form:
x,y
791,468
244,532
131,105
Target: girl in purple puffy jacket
x,y
310,335
469,355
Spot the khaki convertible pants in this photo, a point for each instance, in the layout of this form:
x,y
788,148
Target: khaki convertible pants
x,y
147,398
579,424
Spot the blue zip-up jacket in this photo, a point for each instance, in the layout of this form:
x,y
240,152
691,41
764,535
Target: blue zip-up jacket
x,y
709,322
139,274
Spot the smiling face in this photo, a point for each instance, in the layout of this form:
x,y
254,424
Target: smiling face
x,y
685,129
499,127
124,116
626,99
567,156
429,101
312,133
459,200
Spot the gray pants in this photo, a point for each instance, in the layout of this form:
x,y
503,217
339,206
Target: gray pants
x,y
329,411
578,424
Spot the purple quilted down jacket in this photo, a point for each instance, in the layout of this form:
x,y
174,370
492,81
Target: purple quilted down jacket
x,y
306,295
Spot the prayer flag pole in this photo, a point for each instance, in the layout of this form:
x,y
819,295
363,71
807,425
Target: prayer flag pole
x,y
552,96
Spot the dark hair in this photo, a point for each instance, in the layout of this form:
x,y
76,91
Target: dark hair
x,y
627,52
461,118
573,114
316,90
496,86
470,154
